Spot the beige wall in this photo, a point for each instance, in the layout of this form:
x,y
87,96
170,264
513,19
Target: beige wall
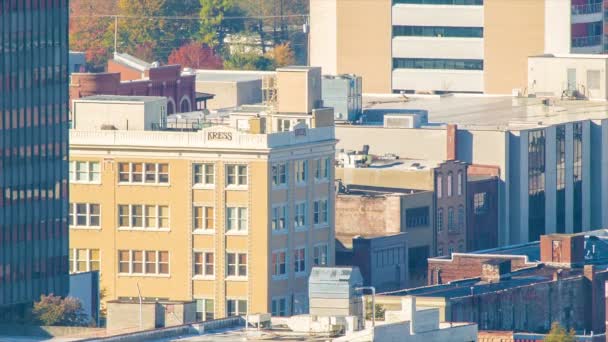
x,y
513,31
403,179
229,94
323,35
364,42
299,89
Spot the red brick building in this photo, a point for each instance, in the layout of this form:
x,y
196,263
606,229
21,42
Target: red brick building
x,y
130,76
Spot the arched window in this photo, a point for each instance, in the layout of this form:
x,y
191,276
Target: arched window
x,y
451,225
460,218
184,105
170,107
459,181
450,184
439,186
439,219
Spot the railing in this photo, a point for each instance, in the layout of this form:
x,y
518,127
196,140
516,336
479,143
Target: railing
x,y
586,41
587,8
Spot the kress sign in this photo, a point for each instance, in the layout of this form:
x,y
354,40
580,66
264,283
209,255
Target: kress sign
x,y
219,136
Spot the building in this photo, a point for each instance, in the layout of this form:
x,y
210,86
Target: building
x,y
548,153
571,75
448,45
130,76
482,211
343,94
522,287
33,153
232,213
382,260
451,224
512,336
231,88
374,212
77,62
136,113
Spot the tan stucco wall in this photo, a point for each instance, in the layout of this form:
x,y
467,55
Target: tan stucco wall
x,y
403,179
513,31
364,42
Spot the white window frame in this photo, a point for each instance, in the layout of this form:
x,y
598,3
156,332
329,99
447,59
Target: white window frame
x,y
204,301
73,259
459,180
89,173
300,219
280,174
144,227
204,274
276,267
321,210
318,256
322,169
144,262
204,229
301,172
206,170
237,266
144,173
240,175
237,302
73,216
241,220
450,184
297,262
439,186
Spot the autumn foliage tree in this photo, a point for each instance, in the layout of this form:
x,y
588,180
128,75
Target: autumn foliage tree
x,y
282,55
197,56
54,310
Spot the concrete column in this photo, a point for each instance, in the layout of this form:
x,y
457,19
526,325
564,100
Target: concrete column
x,y
586,176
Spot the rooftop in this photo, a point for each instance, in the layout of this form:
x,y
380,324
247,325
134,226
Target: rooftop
x,y
371,191
230,75
132,61
573,55
491,112
121,98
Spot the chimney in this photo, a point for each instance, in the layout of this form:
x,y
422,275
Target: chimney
x,y
452,144
493,271
562,250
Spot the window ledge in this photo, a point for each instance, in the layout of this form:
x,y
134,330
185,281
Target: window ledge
x,y
129,275
85,228
302,184
144,184
203,232
301,274
236,278
321,226
152,230
237,187
203,186
280,277
279,187
283,231
237,233
201,277
301,229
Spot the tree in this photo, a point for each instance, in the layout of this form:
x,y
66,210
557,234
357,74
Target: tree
x,y
379,311
54,310
248,60
213,26
559,334
282,55
196,56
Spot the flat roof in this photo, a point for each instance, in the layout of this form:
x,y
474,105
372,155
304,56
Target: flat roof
x,y
571,55
491,112
364,190
121,98
231,75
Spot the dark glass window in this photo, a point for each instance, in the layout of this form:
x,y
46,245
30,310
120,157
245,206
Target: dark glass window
x,y
417,217
578,177
536,184
438,31
437,63
561,179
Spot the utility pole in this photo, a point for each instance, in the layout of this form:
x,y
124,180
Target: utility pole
x,y
115,32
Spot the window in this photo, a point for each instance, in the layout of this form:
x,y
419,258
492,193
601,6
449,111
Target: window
x,y
299,260
439,186
451,250
320,212
320,255
279,263
204,309
322,168
437,31
84,260
437,63
143,262
459,180
237,264
279,174
283,125
451,225
204,218
204,174
593,79
140,216
279,218
236,175
236,219
203,264
279,307
440,252
300,215
439,219
449,184
301,171
143,173
480,203
84,172
84,215
417,217
460,218
236,307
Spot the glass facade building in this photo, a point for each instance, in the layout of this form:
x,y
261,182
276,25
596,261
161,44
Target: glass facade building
x,y
536,184
33,151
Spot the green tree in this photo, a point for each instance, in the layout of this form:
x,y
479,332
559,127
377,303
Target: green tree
x,y
54,310
214,26
248,60
559,334
379,311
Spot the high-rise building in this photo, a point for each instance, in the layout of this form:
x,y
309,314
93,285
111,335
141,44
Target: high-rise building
x,y
230,211
33,151
448,45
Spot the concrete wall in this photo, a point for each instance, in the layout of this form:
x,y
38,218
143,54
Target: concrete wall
x,y
550,75
230,94
324,35
138,116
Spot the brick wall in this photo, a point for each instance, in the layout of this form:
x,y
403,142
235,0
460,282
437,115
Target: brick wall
x,y
482,227
466,266
126,73
363,215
